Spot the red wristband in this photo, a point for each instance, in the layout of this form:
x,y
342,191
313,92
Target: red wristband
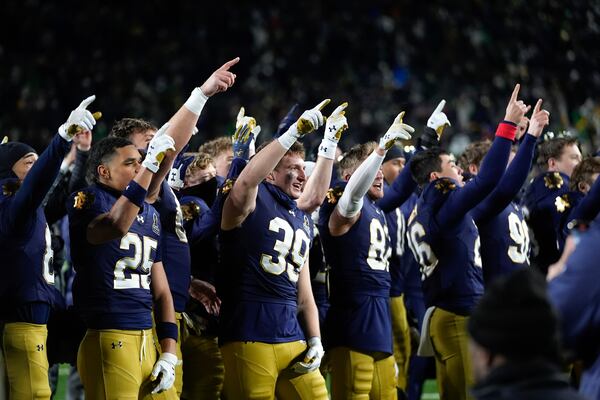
x,y
506,130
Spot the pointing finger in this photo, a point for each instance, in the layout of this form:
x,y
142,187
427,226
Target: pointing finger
x,y
241,113
340,109
537,107
440,106
398,119
322,104
229,64
515,92
87,101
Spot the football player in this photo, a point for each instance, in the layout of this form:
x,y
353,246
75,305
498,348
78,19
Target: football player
x,y
582,202
393,163
445,241
265,235
176,253
203,362
558,156
357,247
502,227
26,289
115,247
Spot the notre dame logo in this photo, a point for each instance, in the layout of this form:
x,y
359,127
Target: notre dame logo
x,y
83,200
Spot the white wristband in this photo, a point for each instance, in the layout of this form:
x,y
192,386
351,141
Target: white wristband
x,y
289,137
195,103
327,148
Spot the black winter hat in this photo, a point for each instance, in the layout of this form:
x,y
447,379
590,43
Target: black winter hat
x,y
515,319
10,153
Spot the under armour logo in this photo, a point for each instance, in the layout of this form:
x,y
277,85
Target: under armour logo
x,y
119,344
140,219
332,128
292,212
40,347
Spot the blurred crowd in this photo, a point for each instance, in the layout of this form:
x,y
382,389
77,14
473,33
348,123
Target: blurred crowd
x,y
143,59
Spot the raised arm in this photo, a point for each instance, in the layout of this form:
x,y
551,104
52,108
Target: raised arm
x,y
42,175
242,197
347,211
404,185
318,183
460,202
518,170
116,223
183,123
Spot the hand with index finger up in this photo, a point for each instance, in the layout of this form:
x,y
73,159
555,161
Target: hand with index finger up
x,y
516,109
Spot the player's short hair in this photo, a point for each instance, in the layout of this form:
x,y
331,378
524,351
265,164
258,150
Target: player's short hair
x,y
474,154
583,172
553,148
424,163
297,149
354,157
200,161
101,153
216,146
126,127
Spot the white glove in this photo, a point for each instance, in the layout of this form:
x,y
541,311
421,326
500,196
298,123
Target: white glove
x,y
309,121
335,125
438,120
175,179
398,131
157,148
312,359
165,368
80,117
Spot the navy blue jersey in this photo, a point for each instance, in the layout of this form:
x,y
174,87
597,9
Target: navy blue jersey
x,y
359,280
261,261
448,255
397,230
175,249
25,241
444,238
504,243
542,210
504,232
411,271
111,289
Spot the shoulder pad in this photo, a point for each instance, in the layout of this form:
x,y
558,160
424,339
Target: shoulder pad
x,y
553,180
562,203
83,200
190,211
10,187
334,194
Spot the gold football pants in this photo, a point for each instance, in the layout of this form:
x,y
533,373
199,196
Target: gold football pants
x,y
116,364
356,375
24,347
203,368
401,333
452,364
255,370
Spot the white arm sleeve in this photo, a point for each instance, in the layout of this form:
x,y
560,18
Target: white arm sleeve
x,y
361,180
